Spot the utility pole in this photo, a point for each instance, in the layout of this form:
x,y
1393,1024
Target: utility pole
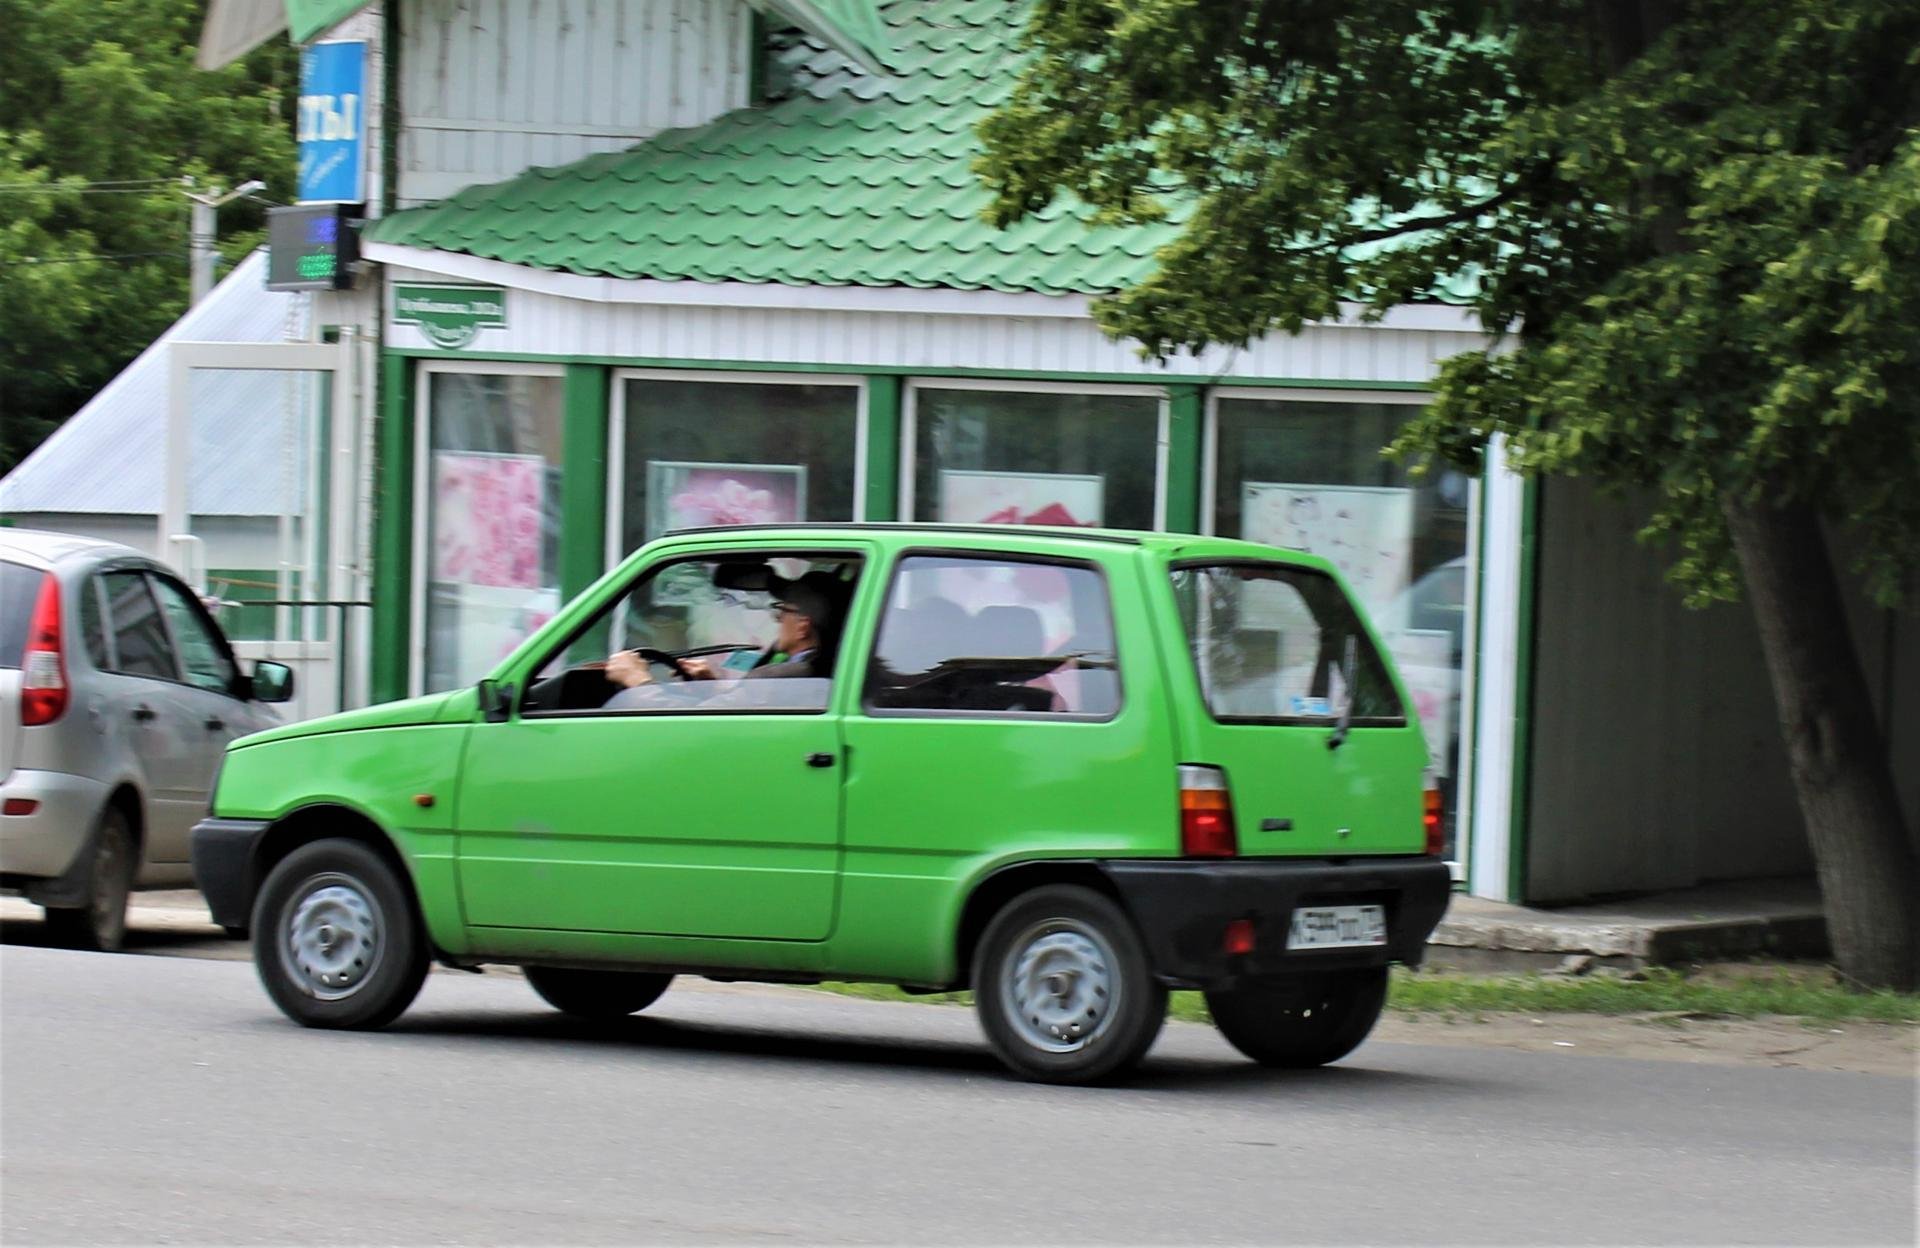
x,y
203,232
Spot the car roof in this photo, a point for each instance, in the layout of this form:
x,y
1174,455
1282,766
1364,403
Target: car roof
x,y
1038,537
44,548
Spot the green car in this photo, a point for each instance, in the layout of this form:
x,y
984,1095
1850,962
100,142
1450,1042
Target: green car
x,y
1069,769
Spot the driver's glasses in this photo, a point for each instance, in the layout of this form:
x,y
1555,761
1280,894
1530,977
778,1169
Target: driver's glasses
x,y
781,610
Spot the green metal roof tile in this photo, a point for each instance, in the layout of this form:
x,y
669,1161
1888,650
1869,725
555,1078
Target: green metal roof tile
x,y
853,179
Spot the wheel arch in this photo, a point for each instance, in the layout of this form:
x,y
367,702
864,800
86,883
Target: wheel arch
x,y
1000,886
320,821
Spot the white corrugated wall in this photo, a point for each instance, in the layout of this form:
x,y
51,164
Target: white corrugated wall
x,y
493,87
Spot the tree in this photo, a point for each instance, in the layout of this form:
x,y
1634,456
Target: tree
x,y
1693,224
101,114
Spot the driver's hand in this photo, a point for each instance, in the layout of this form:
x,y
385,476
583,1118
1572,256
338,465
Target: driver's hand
x,y
697,669
629,670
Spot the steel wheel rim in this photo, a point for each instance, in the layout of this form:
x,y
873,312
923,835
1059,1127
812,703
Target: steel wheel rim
x,y
334,931
1058,986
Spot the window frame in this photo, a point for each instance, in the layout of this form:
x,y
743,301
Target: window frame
x,y
142,573
910,428
1387,669
865,706
422,486
198,610
858,555
617,435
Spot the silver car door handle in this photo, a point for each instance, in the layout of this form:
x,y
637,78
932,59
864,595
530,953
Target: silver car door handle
x,y
143,712
215,724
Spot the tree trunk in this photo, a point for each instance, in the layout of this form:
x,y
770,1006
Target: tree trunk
x,y
1861,847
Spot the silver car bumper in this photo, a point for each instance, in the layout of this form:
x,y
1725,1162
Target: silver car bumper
x,y
44,842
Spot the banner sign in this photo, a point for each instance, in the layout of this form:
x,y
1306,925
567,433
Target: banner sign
x,y
451,317
333,124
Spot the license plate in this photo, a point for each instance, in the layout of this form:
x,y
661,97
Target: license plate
x,y
1337,927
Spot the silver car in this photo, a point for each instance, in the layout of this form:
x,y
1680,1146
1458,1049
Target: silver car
x,y
118,695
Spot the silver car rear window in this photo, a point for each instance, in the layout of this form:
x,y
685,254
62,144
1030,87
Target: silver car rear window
x,y
19,591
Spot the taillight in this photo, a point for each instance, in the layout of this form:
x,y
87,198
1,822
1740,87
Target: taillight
x,y
1430,819
43,668
1206,814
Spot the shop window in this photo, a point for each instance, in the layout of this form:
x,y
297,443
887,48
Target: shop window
x,y
1011,457
698,454
1311,476
492,503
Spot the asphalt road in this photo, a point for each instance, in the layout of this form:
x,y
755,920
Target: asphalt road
x,y
158,1100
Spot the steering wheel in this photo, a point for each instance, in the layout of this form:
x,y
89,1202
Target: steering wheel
x,y
663,658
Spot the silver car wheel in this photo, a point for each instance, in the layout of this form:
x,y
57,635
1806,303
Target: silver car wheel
x,y
333,931
1058,987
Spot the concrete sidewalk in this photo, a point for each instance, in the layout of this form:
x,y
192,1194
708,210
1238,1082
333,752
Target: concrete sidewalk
x,y
1779,918
1717,922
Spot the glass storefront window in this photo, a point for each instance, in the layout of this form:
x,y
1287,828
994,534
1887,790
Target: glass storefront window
x,y
492,503
1035,457
704,453
1310,476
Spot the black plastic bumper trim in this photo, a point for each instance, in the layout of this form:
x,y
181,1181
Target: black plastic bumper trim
x,y
222,851
1182,909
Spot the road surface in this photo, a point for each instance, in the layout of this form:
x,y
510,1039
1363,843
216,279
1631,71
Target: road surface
x,y
158,1100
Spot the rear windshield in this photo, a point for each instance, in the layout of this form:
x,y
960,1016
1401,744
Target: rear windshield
x,y
1271,644
19,591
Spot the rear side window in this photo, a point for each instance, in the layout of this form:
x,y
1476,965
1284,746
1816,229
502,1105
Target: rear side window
x,y
139,638
1270,643
93,626
19,592
995,636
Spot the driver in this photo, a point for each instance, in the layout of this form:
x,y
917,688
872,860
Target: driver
x,y
799,648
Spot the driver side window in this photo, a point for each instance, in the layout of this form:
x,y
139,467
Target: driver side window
x,y
734,633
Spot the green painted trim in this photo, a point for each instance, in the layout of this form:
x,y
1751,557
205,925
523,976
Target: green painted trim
x,y
1186,426
884,391
393,532
891,370
583,479
1528,605
1464,822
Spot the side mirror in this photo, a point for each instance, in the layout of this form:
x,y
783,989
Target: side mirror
x,y
272,682
496,701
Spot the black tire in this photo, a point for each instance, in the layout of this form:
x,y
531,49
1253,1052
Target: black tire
x,y
113,859
597,994
338,942
1099,979
1302,1022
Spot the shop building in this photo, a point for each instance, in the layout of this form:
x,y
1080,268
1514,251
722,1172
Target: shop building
x,y
641,264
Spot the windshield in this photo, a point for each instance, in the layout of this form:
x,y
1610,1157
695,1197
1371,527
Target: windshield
x,y
1270,643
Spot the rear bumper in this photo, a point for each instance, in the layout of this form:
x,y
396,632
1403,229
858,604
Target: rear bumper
x,y
223,866
42,845
1182,910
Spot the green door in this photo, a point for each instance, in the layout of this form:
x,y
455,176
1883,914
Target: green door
x,y
671,824
1272,645
702,801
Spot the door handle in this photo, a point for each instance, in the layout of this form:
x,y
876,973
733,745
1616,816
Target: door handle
x,y
143,712
819,760
215,724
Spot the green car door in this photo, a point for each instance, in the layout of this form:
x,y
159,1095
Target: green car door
x,y
679,806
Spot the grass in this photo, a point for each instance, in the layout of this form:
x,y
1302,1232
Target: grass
x,y
1724,990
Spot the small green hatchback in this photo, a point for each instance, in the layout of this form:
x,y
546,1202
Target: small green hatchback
x,y
1069,769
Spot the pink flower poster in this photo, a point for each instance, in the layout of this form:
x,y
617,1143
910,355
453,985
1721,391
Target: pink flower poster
x,y
698,496
1054,498
488,511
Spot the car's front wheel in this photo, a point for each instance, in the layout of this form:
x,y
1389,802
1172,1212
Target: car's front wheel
x,y
101,923
1308,1021
1063,987
597,994
336,939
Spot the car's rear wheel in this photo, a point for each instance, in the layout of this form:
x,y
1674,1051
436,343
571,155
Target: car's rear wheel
x,y
1308,1021
102,922
337,942
597,994
1063,987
